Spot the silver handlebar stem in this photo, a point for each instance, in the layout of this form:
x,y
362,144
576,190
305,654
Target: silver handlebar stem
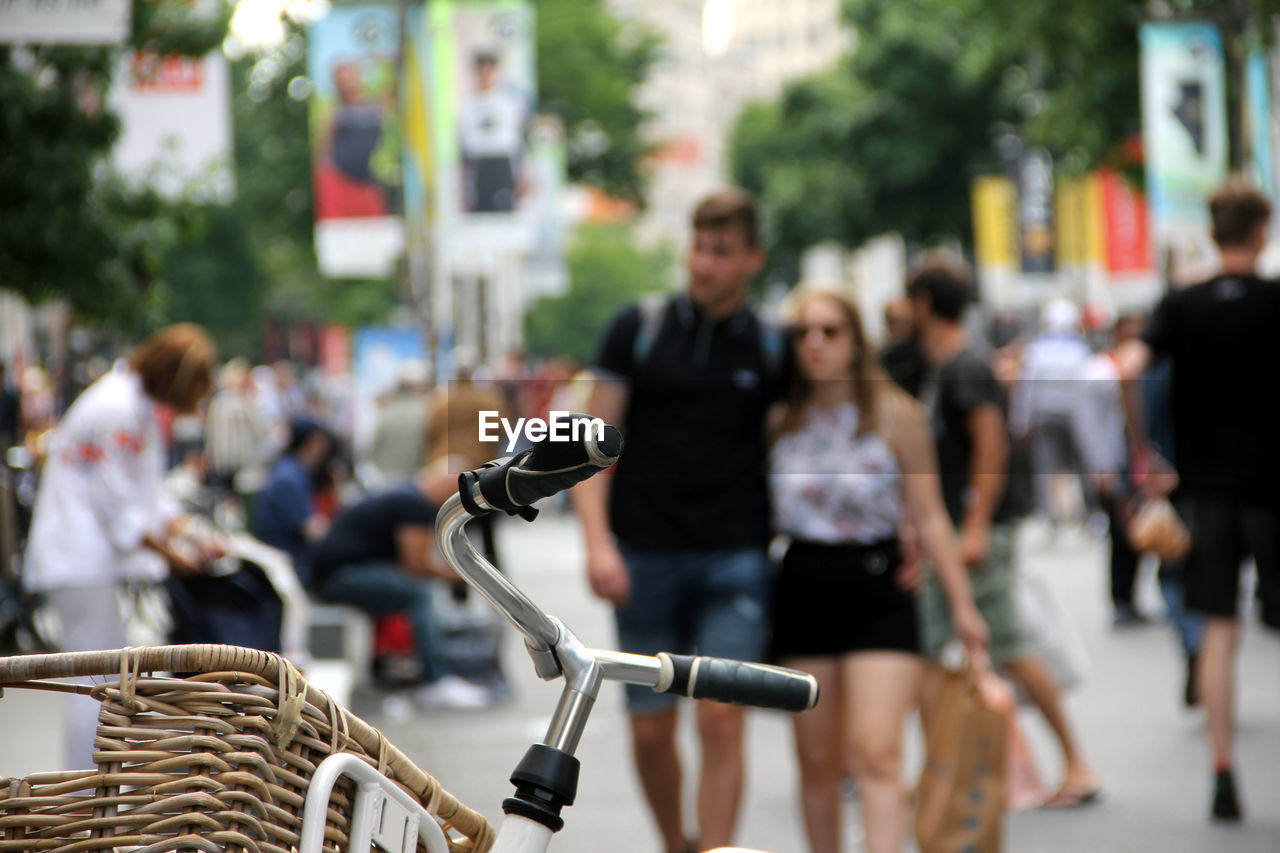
x,y
556,650
540,632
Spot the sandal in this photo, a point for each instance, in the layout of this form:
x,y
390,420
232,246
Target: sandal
x,y
1066,798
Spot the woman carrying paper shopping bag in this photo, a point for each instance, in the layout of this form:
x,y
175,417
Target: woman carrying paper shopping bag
x,y
852,461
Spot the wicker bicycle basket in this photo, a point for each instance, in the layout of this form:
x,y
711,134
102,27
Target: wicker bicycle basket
x,y
218,760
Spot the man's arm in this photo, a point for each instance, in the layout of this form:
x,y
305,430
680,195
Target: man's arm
x,y
605,569
1149,470
987,479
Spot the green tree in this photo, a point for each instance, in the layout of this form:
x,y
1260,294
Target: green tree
x,y
589,64
890,139
67,228
606,270
886,141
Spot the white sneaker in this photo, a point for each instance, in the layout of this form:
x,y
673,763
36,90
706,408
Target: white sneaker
x,y
451,692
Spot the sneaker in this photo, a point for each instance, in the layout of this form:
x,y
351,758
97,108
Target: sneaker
x,y
451,692
1226,805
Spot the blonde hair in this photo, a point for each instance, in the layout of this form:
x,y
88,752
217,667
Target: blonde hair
x,y
868,377
176,365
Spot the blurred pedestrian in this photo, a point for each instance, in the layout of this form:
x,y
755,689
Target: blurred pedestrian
x,y
235,439
1043,399
852,461
1157,418
902,355
10,412
379,555
967,410
396,450
39,405
285,513
676,539
102,517
1098,427
1228,458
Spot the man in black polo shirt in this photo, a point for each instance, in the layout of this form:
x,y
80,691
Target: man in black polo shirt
x,y
677,540
1220,337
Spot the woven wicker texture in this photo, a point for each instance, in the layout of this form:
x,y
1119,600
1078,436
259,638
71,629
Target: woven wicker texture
x,y
216,761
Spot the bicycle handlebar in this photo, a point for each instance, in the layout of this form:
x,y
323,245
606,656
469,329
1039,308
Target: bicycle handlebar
x,y
547,468
550,467
736,682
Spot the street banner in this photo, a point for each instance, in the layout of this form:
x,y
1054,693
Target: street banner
x,y
420,185
1072,219
355,138
1128,243
65,21
994,200
483,97
175,124
995,227
1184,131
1035,210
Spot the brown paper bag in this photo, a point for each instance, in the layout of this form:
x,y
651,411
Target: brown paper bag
x,y
961,796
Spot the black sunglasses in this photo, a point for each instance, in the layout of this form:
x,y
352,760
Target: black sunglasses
x,y
799,333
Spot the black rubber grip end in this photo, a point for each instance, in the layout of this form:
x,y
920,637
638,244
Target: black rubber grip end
x,y
741,683
577,447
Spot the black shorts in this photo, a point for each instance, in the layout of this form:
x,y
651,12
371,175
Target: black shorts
x,y
835,599
1224,531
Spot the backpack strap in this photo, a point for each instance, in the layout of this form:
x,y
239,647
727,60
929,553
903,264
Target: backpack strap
x,y
773,345
653,308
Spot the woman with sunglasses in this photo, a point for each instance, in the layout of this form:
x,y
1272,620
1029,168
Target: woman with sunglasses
x,y
852,462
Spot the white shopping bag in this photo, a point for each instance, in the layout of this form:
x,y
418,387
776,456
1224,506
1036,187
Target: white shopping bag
x,y
1049,627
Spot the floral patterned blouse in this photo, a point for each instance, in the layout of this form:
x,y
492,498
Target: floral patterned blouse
x,y
830,485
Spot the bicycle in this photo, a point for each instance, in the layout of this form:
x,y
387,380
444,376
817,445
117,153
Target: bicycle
x,y
225,710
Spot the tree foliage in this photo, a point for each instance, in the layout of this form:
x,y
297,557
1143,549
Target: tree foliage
x,y
67,227
606,270
589,64
891,137
887,140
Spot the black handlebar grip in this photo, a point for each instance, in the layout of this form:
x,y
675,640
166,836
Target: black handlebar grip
x,y
553,464
737,682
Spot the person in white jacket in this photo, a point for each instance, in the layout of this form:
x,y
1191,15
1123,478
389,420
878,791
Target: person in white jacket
x,y
1043,399
101,516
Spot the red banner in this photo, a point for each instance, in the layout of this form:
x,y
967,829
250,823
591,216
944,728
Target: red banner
x,y
1127,239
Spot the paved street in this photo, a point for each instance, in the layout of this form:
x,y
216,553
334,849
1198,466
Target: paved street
x,y
1150,752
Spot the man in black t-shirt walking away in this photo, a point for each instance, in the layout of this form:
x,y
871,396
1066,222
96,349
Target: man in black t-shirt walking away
x,y
1220,336
676,542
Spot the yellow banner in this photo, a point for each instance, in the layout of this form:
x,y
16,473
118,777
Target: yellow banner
x,y
995,236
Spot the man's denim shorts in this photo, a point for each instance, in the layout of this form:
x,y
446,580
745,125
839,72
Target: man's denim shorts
x,y
693,602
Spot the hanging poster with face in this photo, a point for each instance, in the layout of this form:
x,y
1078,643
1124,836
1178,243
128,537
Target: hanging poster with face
x,y
355,141
482,56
